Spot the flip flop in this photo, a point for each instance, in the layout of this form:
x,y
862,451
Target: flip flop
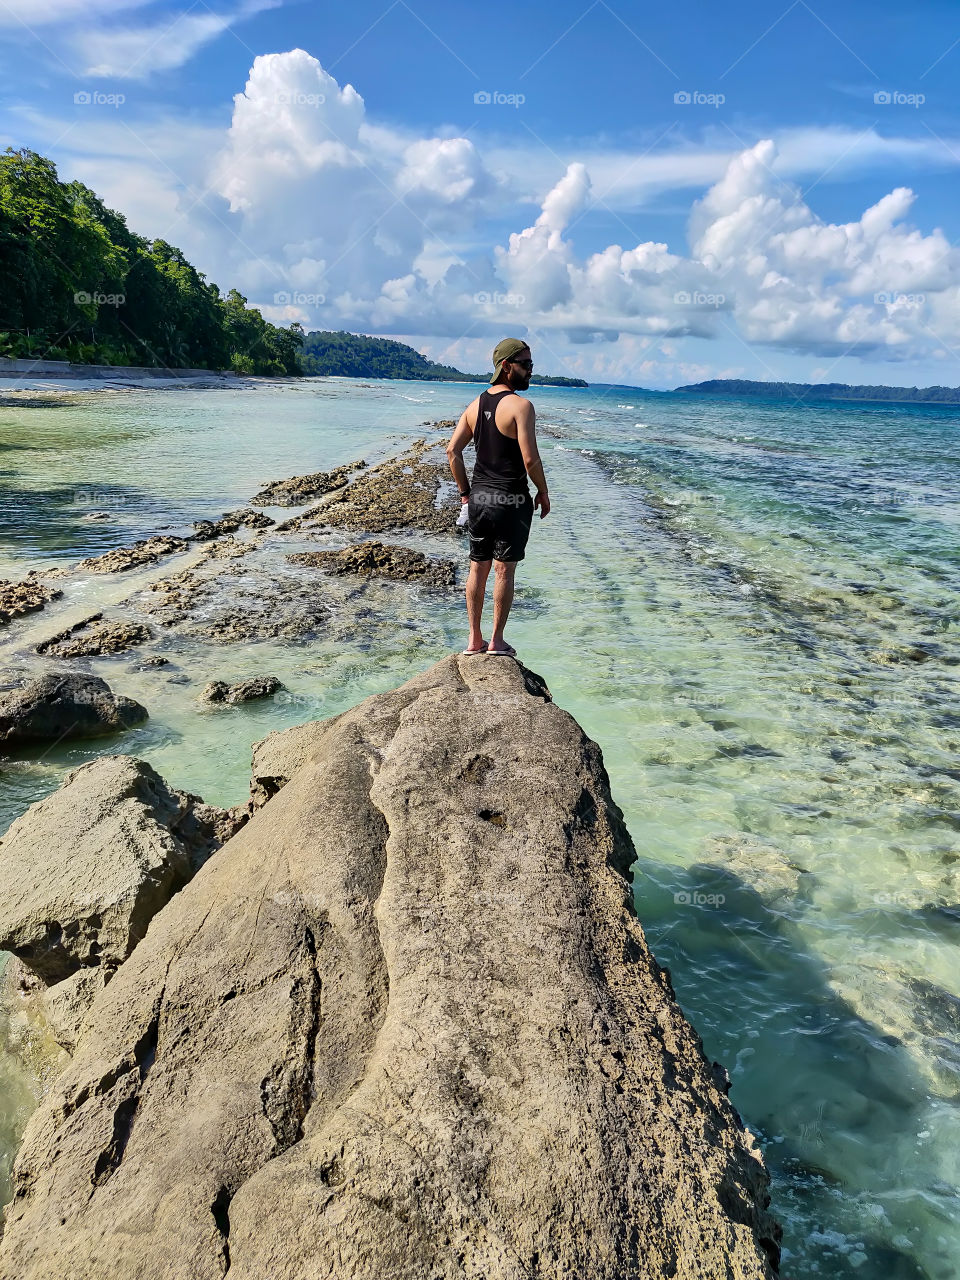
x,y
508,651
471,652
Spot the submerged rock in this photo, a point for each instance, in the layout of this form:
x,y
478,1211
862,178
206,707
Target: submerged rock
x,y
236,602
86,869
244,691
301,489
404,1024
65,705
25,596
381,560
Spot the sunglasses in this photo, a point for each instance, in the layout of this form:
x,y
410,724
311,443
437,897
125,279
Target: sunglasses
x,y
524,364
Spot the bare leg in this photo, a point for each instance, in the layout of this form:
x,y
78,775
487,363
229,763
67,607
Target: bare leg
x,y
476,590
502,599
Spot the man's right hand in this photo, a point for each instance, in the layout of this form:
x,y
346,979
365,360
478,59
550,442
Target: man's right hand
x,y
542,500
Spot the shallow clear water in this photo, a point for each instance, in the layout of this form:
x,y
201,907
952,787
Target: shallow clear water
x,y
755,610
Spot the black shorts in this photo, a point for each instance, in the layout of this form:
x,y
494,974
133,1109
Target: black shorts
x,y
499,524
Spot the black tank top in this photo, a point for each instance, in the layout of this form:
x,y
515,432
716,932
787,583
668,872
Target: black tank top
x,y
499,462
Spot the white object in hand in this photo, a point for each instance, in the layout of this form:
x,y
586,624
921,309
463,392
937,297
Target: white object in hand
x,y
464,515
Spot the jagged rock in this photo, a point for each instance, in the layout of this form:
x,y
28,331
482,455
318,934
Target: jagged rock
x,y
403,1025
65,705
82,640
86,869
279,756
400,493
380,560
25,596
147,551
65,1005
230,522
300,489
226,548
244,691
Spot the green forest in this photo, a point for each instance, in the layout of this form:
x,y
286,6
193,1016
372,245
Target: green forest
x,y
352,355
76,284
821,391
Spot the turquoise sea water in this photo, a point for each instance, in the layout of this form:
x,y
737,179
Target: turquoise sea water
x,y
753,607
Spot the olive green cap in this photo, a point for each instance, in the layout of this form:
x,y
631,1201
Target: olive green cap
x,y
503,351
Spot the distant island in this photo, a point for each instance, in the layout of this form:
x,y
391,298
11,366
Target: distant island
x,y
353,355
739,387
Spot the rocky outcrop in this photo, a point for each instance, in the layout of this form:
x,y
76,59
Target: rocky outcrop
x,y
400,493
86,869
381,560
65,705
403,1024
25,596
84,639
147,551
243,691
302,489
230,522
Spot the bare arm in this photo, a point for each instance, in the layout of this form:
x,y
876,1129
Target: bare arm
x,y
527,439
462,435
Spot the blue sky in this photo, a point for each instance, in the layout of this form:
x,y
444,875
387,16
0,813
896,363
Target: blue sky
x,y
652,194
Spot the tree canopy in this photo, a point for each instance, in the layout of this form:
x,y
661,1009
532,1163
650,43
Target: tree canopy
x,y
354,355
77,284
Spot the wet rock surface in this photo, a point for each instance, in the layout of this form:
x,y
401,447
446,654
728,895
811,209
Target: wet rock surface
x,y
403,1024
64,705
147,551
84,639
230,523
381,560
298,490
243,691
400,493
25,596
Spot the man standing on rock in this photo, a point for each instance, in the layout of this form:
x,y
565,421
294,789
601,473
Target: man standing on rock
x,y
502,426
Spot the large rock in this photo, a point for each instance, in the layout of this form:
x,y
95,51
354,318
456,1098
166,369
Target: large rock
x,y
85,870
403,1026
65,705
